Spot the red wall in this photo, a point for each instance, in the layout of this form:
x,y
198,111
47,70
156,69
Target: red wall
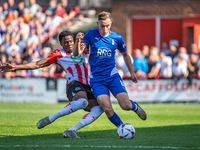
x,y
187,23
143,32
171,29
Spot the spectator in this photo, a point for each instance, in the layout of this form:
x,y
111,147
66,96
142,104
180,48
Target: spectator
x,y
34,7
13,48
182,50
121,66
22,42
9,17
32,23
173,51
50,9
71,11
153,57
145,51
18,61
57,20
10,30
20,8
193,66
48,26
155,52
15,22
23,33
12,4
28,52
2,31
140,63
7,41
151,66
40,32
33,38
60,11
165,48
42,72
26,15
40,16
6,8
163,67
74,12
179,68
2,15
66,6
194,48
24,27
3,59
2,51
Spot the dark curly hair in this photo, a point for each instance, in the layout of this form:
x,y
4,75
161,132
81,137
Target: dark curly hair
x,y
65,33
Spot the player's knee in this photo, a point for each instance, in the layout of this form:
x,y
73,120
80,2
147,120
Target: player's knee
x,y
91,103
108,111
126,106
85,103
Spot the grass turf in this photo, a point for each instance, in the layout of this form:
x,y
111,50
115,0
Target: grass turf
x,y
168,126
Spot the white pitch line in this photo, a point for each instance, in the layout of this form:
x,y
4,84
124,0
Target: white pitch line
x,y
102,146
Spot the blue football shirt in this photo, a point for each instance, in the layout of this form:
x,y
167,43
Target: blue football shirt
x,y
102,53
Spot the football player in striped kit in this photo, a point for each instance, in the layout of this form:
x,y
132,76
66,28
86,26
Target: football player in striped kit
x,y
78,89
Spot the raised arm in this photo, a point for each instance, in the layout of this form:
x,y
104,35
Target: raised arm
x,y
78,47
29,66
129,65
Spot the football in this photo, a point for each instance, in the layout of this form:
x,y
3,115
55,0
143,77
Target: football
x,y
126,131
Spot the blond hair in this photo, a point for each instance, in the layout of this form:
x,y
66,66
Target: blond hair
x,y
104,15
155,52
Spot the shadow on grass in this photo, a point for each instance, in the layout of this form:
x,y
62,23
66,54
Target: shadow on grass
x,y
166,137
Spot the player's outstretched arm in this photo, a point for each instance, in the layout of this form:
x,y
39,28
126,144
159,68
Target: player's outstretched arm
x,y
78,47
129,65
6,67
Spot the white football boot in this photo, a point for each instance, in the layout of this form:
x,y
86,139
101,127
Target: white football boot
x,y
70,134
43,122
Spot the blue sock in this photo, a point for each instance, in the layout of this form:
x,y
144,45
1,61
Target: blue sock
x,y
115,120
134,106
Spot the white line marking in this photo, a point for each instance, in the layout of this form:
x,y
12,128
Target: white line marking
x,y
102,146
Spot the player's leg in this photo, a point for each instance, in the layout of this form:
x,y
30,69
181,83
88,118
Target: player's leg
x,y
90,117
103,99
118,90
125,103
105,103
95,112
78,100
73,106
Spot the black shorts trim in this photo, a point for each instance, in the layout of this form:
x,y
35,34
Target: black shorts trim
x,y
76,86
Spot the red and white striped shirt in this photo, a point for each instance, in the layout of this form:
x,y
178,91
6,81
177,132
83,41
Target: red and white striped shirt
x,y
74,66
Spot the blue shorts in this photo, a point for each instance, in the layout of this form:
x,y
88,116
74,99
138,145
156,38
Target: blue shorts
x,y
115,85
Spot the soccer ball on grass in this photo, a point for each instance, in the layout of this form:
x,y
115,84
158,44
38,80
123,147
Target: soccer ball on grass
x,y
126,131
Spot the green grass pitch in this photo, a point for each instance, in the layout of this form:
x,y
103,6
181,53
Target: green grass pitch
x,y
168,126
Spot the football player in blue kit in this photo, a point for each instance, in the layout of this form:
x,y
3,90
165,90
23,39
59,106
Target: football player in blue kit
x,y
104,76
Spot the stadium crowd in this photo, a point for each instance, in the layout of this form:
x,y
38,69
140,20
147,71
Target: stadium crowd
x,y
26,34
165,63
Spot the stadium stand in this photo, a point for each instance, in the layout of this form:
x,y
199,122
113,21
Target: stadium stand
x,y
30,33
